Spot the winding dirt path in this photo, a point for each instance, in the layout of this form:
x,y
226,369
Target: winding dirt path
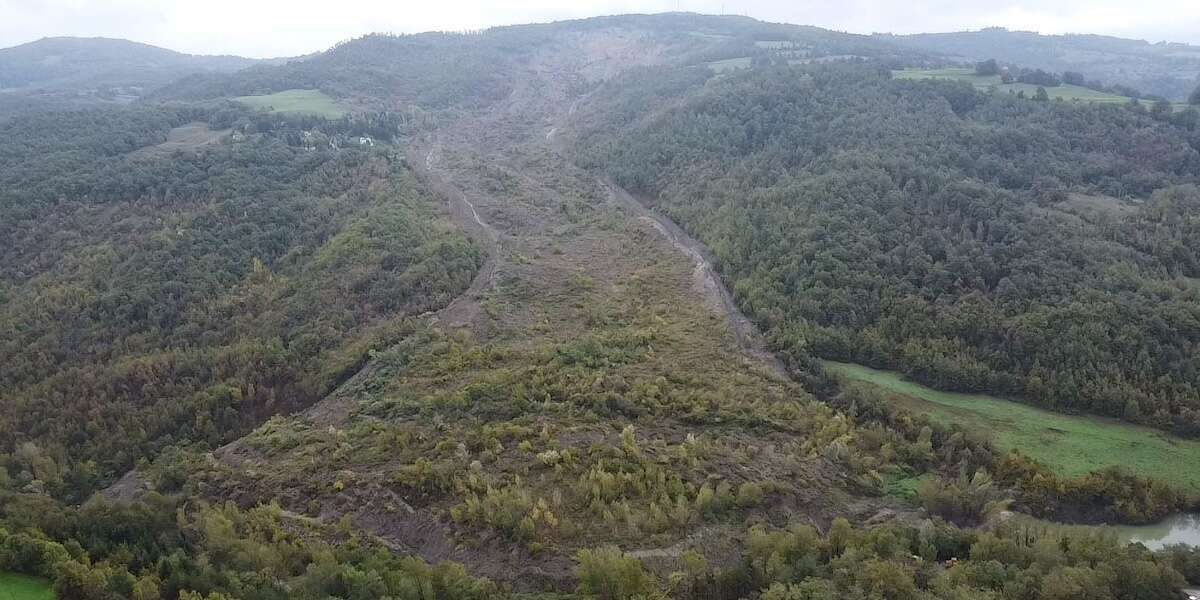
x,y
463,311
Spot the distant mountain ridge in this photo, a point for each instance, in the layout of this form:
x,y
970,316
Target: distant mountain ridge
x,y
1166,69
438,69
72,63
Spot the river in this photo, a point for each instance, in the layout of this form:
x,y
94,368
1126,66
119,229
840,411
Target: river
x,y
1182,528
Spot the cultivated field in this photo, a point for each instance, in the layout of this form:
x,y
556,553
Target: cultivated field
x,y
1072,445
312,102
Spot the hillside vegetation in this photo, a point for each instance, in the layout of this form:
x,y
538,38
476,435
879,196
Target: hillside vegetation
x,y
249,357
151,301
927,227
65,73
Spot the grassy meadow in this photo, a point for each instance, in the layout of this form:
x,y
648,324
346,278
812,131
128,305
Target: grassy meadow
x,y
1065,91
313,102
24,587
730,64
1072,445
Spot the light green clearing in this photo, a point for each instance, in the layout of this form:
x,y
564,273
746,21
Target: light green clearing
x,y
1065,91
904,485
710,36
311,102
1071,445
730,64
775,44
24,587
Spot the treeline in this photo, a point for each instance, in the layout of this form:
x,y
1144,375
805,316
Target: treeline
x,y
978,243
150,300
163,549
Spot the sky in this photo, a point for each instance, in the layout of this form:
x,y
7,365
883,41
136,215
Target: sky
x,y
270,28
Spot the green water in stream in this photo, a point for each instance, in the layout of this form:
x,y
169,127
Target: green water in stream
x,y
1176,529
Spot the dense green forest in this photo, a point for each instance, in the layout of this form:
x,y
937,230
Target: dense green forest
x,y
153,300
978,242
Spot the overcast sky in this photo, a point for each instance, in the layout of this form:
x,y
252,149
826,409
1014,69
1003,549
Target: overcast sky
x,y
262,28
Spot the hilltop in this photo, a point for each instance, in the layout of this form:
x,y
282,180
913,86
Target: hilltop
x,y
76,63
66,72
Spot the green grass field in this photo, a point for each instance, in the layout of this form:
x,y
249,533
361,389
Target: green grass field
x,y
775,44
24,587
1072,445
1066,92
312,102
730,64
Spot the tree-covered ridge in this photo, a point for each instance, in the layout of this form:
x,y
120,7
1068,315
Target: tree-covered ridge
x,y
925,226
79,63
153,300
473,69
1162,69
429,70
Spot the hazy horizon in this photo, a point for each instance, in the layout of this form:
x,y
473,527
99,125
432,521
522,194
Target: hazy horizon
x,y
274,28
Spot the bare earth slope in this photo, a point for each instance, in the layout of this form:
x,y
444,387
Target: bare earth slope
x,y
594,386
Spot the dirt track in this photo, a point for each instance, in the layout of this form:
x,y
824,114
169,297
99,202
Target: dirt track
x,y
463,311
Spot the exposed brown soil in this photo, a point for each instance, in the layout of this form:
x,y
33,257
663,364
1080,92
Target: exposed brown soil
x,y
515,194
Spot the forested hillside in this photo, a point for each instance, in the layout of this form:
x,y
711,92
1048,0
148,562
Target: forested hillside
x,y
65,73
983,243
420,342
150,300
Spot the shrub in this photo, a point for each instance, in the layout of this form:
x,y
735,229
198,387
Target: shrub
x,y
609,574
